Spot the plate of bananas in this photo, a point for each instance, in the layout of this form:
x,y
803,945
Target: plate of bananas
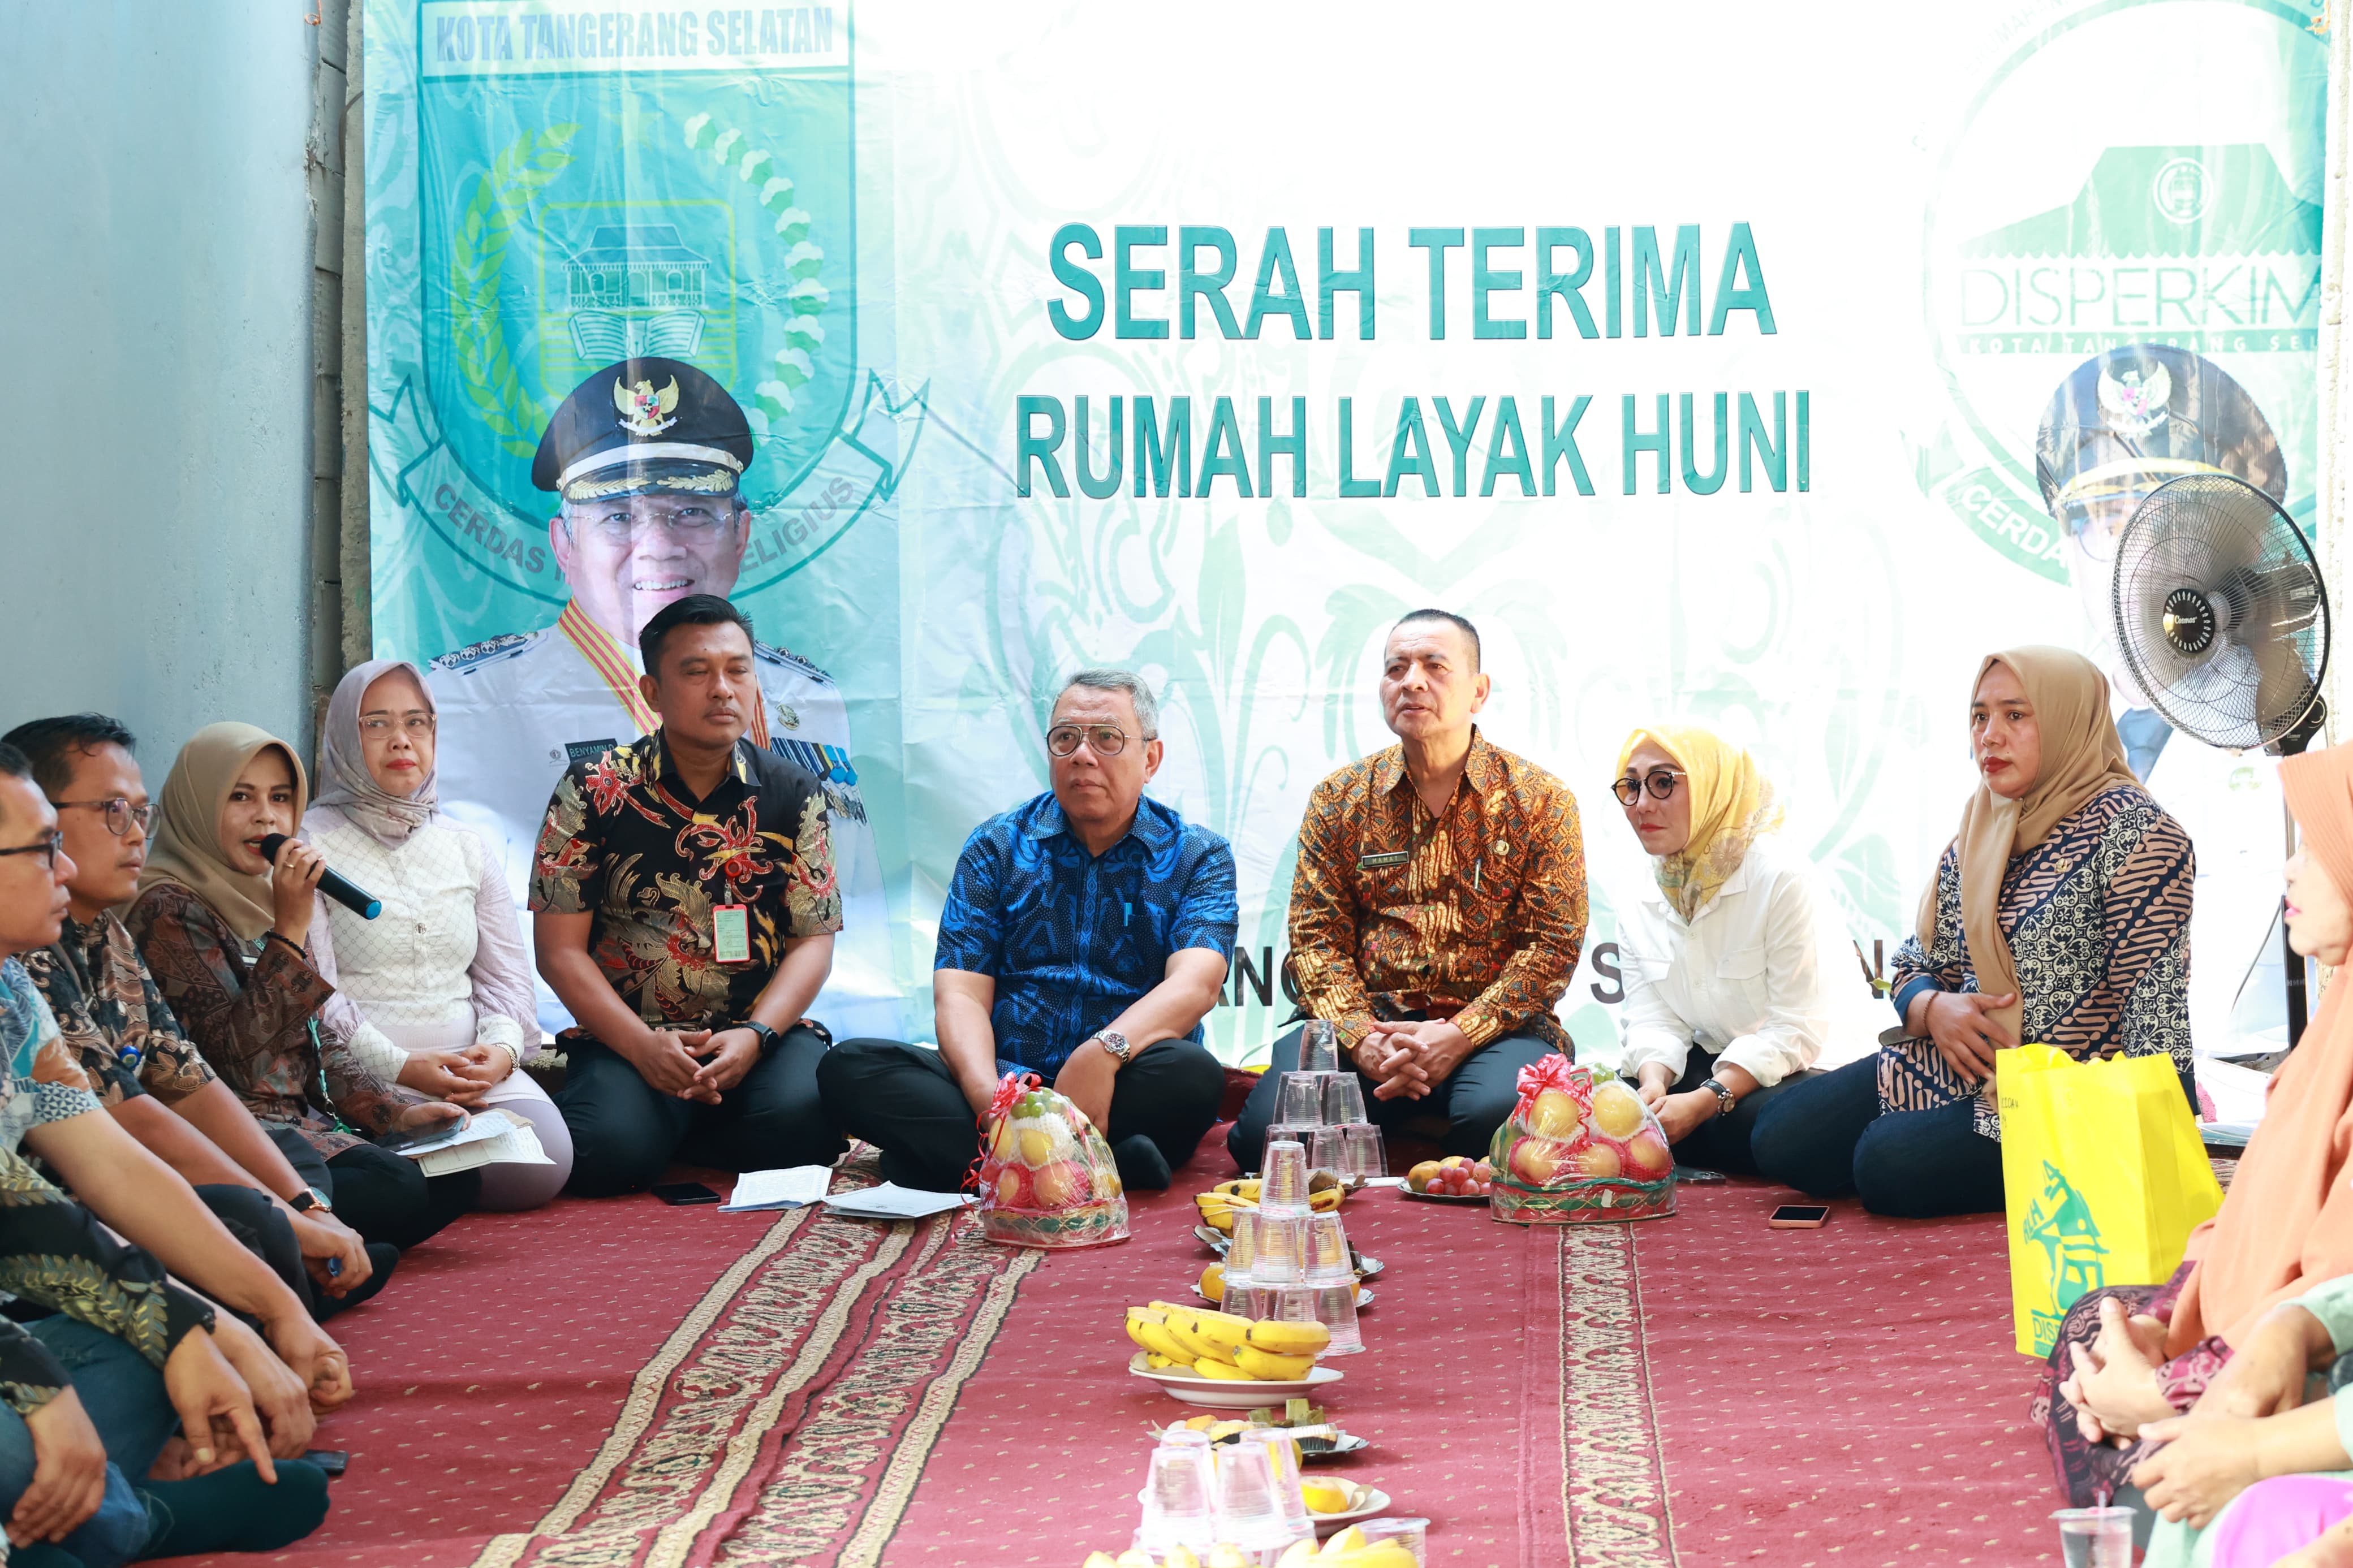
x,y
1219,1361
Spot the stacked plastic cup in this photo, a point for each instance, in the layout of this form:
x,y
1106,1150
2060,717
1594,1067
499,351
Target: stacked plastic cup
x,y
1249,1508
1368,1160
1283,1464
1283,1184
1179,1496
1410,1533
1319,1046
1327,1151
1331,1276
1283,1132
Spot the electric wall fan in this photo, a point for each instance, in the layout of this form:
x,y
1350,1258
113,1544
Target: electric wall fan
x,y
2222,619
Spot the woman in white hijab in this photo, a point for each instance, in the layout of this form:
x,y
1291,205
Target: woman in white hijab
x,y
435,992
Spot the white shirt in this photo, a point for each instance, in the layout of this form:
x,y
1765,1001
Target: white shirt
x,y
441,967
511,709
1749,980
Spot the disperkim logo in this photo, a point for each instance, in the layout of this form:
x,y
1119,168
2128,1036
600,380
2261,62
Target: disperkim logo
x,y
2198,246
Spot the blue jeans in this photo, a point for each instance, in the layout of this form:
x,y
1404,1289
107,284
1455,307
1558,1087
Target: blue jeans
x,y
124,1398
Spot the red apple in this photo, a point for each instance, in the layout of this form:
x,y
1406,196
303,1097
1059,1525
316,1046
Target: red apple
x,y
1599,1160
1647,1157
1061,1185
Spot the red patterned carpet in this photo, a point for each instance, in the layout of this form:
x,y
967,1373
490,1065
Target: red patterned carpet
x,y
677,1386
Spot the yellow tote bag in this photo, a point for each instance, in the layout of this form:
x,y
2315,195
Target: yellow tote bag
x,y
2104,1176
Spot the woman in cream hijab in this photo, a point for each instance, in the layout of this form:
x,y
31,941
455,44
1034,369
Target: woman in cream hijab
x,y
1727,955
227,936
2059,915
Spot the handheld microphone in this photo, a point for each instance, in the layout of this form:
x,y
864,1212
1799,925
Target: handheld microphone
x,y
352,896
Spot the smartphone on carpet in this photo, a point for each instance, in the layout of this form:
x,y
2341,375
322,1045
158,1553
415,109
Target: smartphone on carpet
x,y
1800,1216
678,1193
331,1460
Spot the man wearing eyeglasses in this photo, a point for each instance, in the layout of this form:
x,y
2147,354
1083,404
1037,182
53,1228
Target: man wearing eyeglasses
x,y
645,459
1085,936
114,1020
1438,905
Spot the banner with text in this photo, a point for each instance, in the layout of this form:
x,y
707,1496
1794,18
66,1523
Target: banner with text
x,y
1763,378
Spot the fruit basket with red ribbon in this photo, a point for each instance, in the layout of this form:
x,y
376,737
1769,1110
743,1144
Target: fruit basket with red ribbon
x,y
1579,1147
1047,1178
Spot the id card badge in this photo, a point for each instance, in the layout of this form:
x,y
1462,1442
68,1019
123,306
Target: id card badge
x,y
731,933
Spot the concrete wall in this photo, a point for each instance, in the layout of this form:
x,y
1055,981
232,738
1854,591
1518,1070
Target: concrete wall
x,y
157,365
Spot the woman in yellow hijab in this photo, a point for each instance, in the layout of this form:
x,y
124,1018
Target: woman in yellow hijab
x,y
1732,953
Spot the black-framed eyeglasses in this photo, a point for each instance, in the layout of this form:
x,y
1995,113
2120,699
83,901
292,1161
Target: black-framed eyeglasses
x,y
46,846
120,813
1103,740
1659,782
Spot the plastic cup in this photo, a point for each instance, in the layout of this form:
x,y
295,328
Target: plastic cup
x,y
1327,1151
1368,1160
1278,1249
1334,1306
1326,1254
1248,1298
1248,1512
1284,1131
1179,1496
1301,1098
1283,1464
1241,1246
1283,1185
2095,1537
1344,1099
1413,1534
1319,1046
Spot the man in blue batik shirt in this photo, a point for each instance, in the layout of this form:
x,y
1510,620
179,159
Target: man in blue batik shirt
x,y
1086,935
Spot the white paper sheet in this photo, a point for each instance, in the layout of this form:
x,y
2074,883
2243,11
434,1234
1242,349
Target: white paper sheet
x,y
890,1200
791,1187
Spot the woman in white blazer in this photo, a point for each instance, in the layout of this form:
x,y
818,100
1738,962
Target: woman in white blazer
x,y
1727,1000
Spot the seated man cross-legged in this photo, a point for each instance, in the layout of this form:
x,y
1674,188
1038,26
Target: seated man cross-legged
x,y
1085,936
686,907
1438,907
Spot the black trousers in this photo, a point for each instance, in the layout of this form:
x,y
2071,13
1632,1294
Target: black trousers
x,y
261,1227
1474,1099
1722,1143
903,1099
626,1133
381,1195
1828,1138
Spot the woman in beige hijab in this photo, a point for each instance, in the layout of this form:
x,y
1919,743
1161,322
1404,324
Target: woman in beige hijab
x,y
227,936
2059,843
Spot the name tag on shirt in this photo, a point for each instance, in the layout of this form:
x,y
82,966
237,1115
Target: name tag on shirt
x,y
731,933
586,750
1383,862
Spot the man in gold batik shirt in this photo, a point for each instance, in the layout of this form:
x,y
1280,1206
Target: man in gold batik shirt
x,y
1438,906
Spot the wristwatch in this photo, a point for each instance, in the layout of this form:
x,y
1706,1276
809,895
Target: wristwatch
x,y
1726,1100
1115,1042
310,1199
765,1035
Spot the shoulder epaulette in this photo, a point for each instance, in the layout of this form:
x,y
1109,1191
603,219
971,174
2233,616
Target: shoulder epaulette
x,y
786,655
482,652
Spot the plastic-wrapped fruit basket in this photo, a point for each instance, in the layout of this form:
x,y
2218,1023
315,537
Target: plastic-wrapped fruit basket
x,y
1579,1148
1047,1178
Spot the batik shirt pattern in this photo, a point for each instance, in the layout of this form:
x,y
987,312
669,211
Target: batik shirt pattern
x,y
113,1018
2097,918
253,1012
1476,915
626,842
53,1252
39,1080
1073,939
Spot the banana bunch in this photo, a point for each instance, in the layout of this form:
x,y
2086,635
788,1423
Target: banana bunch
x,y
1348,1549
1218,1203
1223,1345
